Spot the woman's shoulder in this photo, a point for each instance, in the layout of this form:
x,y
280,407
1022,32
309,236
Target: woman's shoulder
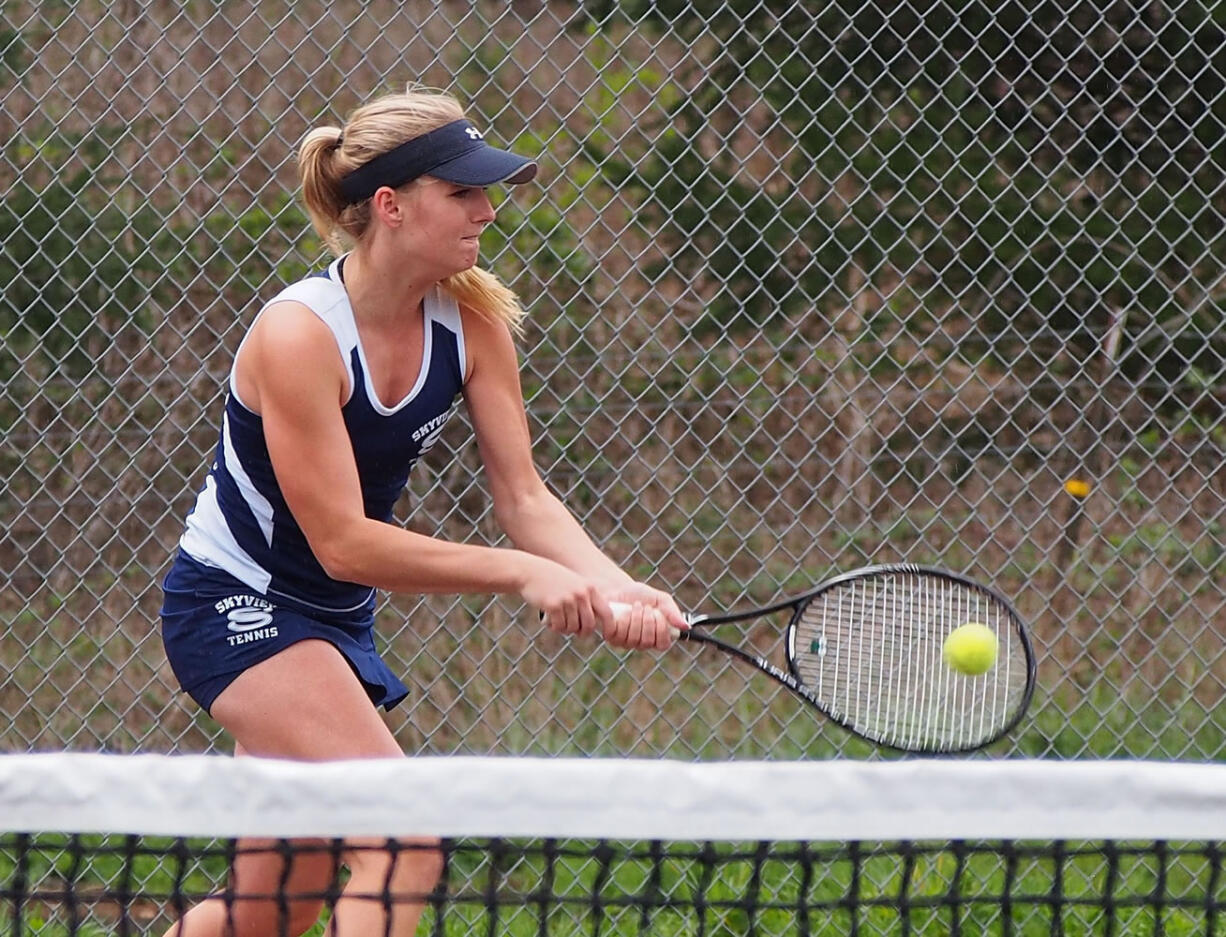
x,y
489,344
319,292
316,297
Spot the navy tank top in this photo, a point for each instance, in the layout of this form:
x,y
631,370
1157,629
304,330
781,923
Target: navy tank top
x,y
241,523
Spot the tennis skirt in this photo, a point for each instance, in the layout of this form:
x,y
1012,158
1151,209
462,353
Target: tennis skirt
x,y
214,627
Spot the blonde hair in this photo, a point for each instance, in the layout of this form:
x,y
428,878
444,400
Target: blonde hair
x,y
328,154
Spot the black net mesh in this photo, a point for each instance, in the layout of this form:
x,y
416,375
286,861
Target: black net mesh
x,y
127,884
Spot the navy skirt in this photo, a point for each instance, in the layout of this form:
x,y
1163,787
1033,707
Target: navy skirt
x,y
214,627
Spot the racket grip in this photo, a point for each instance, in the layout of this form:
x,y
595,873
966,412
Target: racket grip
x,y
619,608
622,607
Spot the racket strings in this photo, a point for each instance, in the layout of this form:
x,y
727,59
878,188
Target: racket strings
x,y
871,649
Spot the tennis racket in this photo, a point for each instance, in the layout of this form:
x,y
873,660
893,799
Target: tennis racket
x,y
866,650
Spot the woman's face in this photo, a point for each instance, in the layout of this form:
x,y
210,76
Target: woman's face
x,y
443,224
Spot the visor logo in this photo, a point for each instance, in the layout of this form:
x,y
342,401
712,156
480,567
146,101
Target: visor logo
x,y
473,133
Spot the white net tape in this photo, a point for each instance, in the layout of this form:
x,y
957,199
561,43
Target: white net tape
x,y
194,795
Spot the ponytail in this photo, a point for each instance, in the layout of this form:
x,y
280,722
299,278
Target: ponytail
x,y
487,296
321,167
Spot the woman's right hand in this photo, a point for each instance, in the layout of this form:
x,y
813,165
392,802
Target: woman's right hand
x,y
568,602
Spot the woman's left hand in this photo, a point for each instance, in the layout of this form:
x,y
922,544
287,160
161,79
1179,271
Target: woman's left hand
x,y
651,622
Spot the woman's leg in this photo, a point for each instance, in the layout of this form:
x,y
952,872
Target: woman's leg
x,y
260,868
386,884
305,703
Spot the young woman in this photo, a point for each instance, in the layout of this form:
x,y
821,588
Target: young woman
x,y
342,383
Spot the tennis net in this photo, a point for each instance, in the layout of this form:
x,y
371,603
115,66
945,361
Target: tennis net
x,y
93,844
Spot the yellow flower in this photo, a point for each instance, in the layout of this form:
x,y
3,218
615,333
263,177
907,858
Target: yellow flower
x,y
1077,487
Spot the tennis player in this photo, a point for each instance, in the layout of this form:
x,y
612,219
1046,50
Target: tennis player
x,y
343,382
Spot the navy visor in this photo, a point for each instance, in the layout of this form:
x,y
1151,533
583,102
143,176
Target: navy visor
x,y
454,152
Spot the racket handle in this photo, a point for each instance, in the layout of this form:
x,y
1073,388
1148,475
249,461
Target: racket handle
x,y
620,608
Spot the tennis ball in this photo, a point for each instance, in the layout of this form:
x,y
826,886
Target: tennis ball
x,y
971,649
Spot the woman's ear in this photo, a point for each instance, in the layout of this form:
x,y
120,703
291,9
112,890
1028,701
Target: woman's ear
x,y
385,205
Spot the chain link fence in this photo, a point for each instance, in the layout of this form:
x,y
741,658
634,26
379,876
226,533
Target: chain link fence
x,y
810,286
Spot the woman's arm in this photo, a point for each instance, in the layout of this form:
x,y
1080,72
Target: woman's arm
x,y
534,519
290,371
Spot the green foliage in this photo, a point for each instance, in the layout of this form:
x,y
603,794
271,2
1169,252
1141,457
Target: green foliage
x,y
240,250
14,55
88,256
77,265
538,234
963,155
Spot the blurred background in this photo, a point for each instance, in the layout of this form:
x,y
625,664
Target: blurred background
x,y
810,286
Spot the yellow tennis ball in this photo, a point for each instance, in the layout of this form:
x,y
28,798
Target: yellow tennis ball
x,y
971,649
